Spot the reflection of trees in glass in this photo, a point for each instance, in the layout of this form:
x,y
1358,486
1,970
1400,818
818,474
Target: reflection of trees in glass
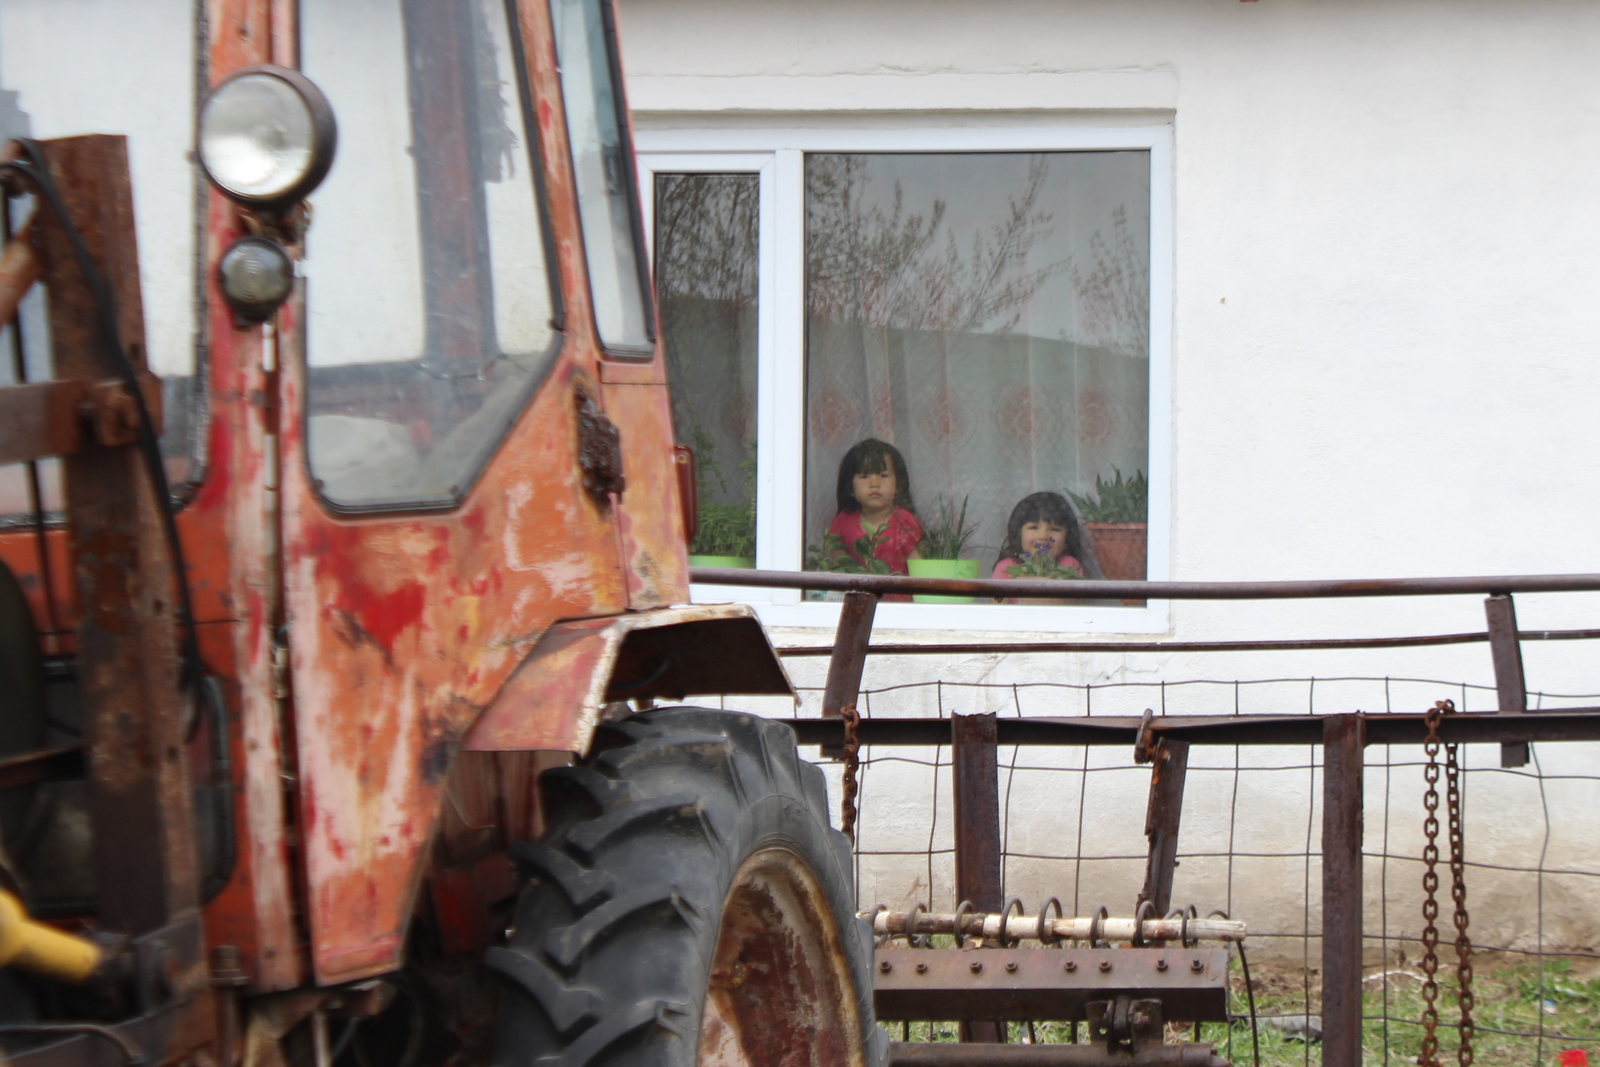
x,y
896,268
1113,291
706,236
706,282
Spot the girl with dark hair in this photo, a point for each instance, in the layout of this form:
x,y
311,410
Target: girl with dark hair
x,y
874,498
1046,523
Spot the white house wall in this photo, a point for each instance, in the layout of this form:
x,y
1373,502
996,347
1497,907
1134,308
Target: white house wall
x,y
1383,364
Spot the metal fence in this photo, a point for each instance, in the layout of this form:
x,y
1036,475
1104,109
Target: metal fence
x,y
1271,826
1073,819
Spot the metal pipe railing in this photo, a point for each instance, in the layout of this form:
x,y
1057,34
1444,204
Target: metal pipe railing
x,y
1313,644
1023,589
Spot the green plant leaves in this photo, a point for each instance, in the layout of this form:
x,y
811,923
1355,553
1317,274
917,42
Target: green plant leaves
x,y
946,534
833,556
1119,501
1042,565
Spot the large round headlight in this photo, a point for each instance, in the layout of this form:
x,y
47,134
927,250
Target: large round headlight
x,y
267,136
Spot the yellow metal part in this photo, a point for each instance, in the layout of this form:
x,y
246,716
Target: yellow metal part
x,y
42,949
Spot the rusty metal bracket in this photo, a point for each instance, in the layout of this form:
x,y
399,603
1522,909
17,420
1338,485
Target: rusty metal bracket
x,y
1169,759
1039,983
1125,1024
1509,681
62,418
849,660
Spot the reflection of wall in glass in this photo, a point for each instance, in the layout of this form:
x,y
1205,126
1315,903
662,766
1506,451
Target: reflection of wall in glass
x,y
987,313
429,305
706,280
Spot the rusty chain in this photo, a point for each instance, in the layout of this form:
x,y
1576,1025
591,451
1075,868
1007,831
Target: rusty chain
x,y
1458,894
1429,1055
850,749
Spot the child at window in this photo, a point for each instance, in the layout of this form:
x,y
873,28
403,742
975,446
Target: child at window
x,y
874,498
1045,523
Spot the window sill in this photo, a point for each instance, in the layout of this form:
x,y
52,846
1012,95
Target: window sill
x,y
784,608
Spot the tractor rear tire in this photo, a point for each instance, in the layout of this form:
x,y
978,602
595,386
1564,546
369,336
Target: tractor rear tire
x,y
688,905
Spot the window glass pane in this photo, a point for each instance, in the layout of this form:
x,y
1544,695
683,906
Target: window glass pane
x,y
600,160
706,264
981,321
428,297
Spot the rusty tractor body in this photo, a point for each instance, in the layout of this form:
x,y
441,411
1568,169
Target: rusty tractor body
x,y
310,726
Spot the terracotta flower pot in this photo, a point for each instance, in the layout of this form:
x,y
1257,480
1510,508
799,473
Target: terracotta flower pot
x,y
1121,549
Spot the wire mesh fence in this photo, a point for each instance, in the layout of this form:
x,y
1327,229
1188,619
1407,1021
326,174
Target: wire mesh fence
x,y
1072,827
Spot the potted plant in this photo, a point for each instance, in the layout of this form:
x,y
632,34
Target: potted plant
x,y
1117,520
1043,565
834,557
725,534
944,538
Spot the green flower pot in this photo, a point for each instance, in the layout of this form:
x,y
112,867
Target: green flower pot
x,y
943,568
743,563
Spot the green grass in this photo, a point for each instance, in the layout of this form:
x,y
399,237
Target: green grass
x,y
1507,996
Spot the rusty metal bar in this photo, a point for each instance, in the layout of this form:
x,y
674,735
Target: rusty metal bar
x,y
1573,724
1167,771
850,644
975,772
915,1054
1039,983
50,765
1310,644
1508,677
62,418
883,584
1344,740
19,269
994,926
975,775
40,420
140,796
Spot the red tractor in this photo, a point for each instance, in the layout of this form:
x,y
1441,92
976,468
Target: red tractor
x,y
335,743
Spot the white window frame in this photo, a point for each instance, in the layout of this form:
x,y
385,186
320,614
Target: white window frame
x,y
777,156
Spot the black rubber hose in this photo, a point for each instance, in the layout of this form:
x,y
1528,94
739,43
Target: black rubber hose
x,y
37,172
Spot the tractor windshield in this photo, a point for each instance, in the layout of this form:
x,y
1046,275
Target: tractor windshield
x,y
429,300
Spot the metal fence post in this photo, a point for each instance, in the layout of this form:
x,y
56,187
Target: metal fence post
x,y
849,658
975,771
1512,688
1343,744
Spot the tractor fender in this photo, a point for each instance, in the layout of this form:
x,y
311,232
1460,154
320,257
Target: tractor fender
x,y
555,698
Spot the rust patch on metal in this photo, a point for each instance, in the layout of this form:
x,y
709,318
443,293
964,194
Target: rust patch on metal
x,y
599,450
554,699
780,993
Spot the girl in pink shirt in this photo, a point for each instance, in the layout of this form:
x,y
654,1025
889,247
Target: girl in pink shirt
x,y
874,498
1045,522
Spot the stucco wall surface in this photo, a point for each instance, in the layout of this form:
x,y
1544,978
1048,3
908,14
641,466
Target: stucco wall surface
x,y
1383,363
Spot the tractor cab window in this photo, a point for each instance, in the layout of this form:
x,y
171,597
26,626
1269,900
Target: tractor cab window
x,y
429,301
603,166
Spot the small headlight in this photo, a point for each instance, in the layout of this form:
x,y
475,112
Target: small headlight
x,y
256,276
267,136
